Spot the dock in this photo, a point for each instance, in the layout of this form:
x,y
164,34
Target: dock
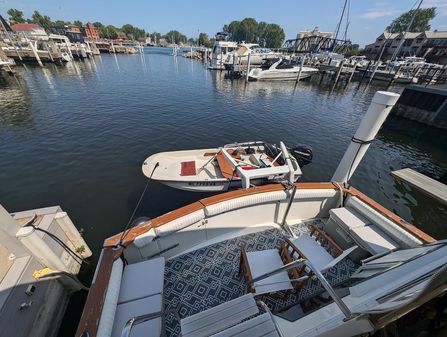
x,y
421,182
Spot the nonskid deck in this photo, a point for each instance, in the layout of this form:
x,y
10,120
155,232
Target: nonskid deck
x,y
209,276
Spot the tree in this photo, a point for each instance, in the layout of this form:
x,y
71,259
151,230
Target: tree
x,y
98,24
175,36
78,23
204,40
42,20
273,36
249,30
15,16
420,23
60,23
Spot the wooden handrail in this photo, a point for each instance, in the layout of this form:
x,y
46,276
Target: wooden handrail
x,y
94,304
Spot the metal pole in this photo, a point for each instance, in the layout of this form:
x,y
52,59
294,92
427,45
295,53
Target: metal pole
x,y
221,59
432,77
352,73
248,67
396,75
289,205
374,72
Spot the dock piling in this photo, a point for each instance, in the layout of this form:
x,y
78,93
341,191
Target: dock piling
x,y
248,67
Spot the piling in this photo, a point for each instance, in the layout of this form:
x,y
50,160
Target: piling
x,y
301,68
339,71
365,72
352,73
248,67
432,77
374,72
396,75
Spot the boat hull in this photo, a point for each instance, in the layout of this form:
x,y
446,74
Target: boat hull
x,y
283,75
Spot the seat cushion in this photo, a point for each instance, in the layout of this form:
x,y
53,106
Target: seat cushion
x,y
142,279
143,306
264,261
261,325
312,250
348,218
373,239
219,317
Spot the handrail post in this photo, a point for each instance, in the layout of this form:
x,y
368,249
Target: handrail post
x,y
343,307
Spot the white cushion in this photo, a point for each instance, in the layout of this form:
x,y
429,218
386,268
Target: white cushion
x,y
349,218
312,250
374,240
261,325
264,261
219,317
145,238
144,306
180,223
142,279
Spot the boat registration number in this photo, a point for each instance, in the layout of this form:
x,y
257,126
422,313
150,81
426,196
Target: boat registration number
x,y
205,183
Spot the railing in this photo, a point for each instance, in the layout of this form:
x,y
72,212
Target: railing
x,y
137,320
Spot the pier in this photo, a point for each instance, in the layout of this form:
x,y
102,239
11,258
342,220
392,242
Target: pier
x,y
421,182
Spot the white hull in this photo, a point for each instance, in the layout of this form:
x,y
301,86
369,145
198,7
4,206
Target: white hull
x,y
282,74
209,170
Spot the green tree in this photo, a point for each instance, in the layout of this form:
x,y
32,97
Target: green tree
x,y
420,23
175,36
77,23
15,16
204,40
42,20
60,23
98,24
273,36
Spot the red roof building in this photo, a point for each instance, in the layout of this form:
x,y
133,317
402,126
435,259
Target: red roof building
x,y
90,32
30,29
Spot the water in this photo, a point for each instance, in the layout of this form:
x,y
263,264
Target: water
x,y
76,136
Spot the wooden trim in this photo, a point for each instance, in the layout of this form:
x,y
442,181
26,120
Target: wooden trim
x,y
332,245
421,235
97,294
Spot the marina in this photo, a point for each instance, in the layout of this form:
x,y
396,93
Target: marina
x,y
243,184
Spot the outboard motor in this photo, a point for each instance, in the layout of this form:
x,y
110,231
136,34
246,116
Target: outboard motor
x,y
303,154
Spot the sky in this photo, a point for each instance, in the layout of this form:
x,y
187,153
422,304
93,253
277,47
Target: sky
x,y
368,18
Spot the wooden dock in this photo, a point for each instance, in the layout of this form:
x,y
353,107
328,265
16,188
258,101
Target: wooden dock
x,y
429,186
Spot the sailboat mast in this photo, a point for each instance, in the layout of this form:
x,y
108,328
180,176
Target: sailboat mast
x,y
337,29
405,32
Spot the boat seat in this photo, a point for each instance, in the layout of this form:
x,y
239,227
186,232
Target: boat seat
x,y
142,279
258,326
220,317
362,230
126,311
225,167
263,261
188,168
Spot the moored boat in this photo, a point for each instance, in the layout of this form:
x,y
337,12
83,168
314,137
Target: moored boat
x,y
227,167
311,259
281,69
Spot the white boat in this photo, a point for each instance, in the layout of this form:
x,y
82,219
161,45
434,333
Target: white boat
x,y
281,69
219,53
227,167
317,259
257,54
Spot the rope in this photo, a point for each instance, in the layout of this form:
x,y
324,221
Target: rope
x,y
127,229
74,255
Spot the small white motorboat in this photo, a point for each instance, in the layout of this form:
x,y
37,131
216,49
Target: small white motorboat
x,y
227,167
281,69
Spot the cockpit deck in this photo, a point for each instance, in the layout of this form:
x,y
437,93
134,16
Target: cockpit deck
x,y
209,276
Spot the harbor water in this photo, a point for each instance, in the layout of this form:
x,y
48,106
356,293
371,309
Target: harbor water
x,y
76,136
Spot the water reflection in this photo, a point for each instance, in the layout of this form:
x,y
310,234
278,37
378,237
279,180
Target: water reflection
x,y
14,103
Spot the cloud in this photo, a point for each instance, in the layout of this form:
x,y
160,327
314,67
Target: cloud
x,y
441,6
375,13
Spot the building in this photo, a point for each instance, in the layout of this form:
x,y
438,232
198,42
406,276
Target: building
x,y
30,30
90,32
430,45
313,33
71,31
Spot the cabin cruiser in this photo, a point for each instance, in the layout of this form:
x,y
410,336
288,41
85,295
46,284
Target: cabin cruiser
x,y
257,55
219,53
228,167
281,69
360,60
301,259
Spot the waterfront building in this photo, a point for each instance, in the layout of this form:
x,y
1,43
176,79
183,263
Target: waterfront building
x,y
90,32
30,30
430,45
